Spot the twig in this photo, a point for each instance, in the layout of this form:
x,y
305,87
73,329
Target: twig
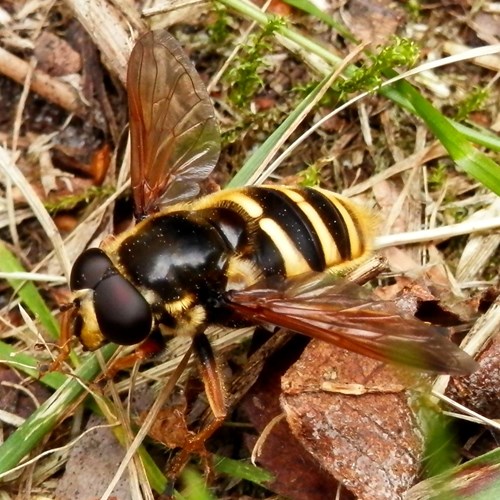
x,y
44,85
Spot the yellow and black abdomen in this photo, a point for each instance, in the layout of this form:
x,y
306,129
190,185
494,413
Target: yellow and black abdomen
x,y
184,259
235,237
290,231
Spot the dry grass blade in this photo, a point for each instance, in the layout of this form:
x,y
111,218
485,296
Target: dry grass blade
x,y
146,426
480,248
10,170
265,170
439,233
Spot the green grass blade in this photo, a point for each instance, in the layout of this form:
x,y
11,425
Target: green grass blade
x,y
467,157
478,479
403,94
43,420
250,170
480,137
29,365
309,8
32,432
28,292
473,162
242,470
195,487
30,296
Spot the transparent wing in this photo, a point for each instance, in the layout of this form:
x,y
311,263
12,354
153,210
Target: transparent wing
x,y
374,328
175,139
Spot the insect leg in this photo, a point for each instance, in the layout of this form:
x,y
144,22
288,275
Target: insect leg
x,y
68,312
154,344
210,374
214,390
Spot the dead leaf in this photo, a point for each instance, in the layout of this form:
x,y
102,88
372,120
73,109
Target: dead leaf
x,y
65,222
409,289
373,21
480,390
487,26
55,56
170,427
297,475
399,260
430,299
280,8
95,458
369,442
387,193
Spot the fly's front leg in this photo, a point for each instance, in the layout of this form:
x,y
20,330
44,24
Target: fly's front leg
x,y
64,343
154,344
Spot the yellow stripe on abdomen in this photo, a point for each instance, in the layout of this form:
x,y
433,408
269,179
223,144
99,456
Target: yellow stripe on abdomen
x,y
294,261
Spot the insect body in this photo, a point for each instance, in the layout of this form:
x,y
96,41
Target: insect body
x,y
255,255
177,265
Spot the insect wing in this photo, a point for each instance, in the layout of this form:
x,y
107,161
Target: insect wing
x,y
175,139
370,327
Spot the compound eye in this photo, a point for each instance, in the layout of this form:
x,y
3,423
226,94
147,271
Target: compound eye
x,y
89,269
123,314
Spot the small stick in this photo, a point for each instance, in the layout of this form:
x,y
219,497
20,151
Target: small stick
x,y
46,86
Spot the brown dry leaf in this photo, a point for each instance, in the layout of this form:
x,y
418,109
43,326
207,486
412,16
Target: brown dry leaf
x,y
280,8
55,56
387,193
411,289
373,21
352,414
399,212
277,7
487,26
430,300
399,260
170,427
297,475
472,481
480,390
439,276
96,456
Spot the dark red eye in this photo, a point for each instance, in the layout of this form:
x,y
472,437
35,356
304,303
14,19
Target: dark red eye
x,y
89,269
123,314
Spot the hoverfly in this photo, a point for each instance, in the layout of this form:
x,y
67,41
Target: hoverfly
x,y
249,256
